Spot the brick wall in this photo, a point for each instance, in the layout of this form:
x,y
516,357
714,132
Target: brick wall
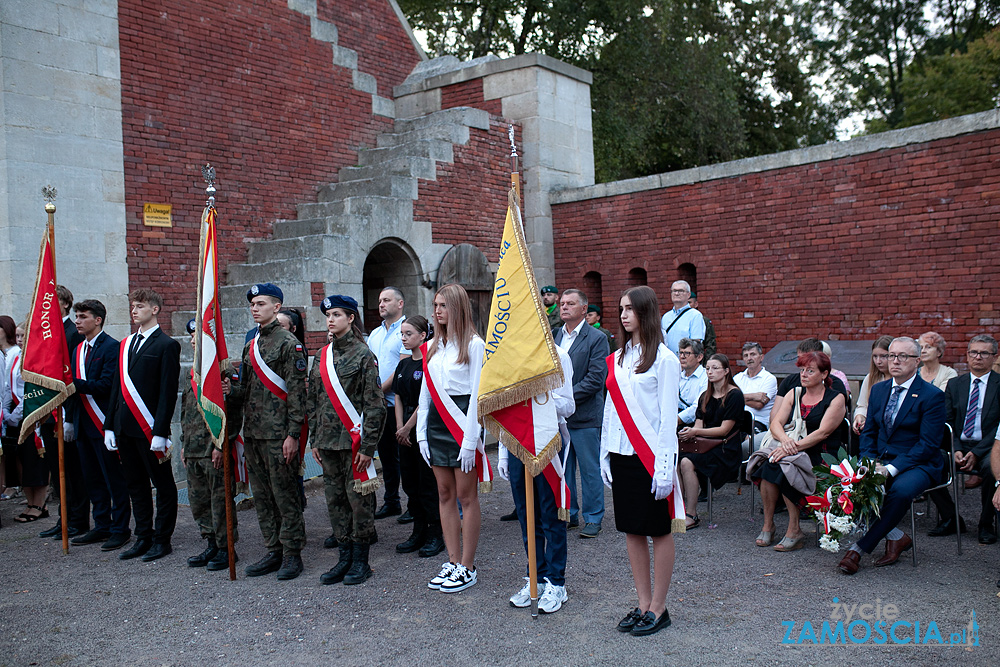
x,y
469,94
897,242
243,85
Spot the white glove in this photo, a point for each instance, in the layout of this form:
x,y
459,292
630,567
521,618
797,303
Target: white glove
x,y
425,451
503,464
606,470
661,487
159,444
467,457
69,433
109,441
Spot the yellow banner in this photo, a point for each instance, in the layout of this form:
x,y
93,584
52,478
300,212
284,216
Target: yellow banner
x,y
520,361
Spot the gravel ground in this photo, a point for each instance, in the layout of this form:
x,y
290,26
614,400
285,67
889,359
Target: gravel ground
x,y
727,601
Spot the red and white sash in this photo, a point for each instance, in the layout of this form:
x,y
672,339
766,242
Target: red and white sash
x,y
365,482
131,395
453,418
640,433
89,404
271,380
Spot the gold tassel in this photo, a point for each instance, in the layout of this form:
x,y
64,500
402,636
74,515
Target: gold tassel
x,y
522,391
486,487
534,465
563,514
678,526
364,488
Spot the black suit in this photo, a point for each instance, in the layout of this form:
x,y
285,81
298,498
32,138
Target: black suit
x,y
102,471
155,371
956,396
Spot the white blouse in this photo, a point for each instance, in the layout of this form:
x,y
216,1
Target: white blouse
x,y
656,391
454,379
15,387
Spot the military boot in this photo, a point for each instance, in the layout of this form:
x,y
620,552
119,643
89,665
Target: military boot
x,y
416,540
201,560
291,567
360,570
266,565
337,572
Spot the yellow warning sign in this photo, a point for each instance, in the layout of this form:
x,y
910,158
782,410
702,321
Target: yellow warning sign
x,y
156,215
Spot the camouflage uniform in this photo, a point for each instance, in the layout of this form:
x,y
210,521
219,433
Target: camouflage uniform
x,y
612,343
206,485
552,314
267,421
352,514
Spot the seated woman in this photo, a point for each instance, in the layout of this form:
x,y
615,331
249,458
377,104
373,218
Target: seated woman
x,y
878,371
720,410
932,346
823,410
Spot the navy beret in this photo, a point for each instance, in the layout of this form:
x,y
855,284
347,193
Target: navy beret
x,y
265,289
192,323
339,301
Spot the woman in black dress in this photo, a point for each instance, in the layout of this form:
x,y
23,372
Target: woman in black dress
x,y
720,410
822,409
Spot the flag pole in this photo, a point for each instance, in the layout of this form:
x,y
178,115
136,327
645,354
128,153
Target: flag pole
x,y
50,194
529,479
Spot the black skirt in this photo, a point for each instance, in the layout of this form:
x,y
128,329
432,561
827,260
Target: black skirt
x,y
34,469
720,464
637,512
444,448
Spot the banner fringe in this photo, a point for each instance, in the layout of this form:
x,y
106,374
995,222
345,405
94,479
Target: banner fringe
x,y
366,487
30,421
520,392
533,464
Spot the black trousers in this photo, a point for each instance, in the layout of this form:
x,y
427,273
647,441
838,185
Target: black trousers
x,y
106,485
420,487
388,455
77,499
141,467
946,506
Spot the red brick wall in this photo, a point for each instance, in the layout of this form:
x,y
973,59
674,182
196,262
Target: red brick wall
x,y
469,94
468,201
894,242
243,85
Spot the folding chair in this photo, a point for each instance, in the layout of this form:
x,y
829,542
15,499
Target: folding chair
x,y
948,445
746,428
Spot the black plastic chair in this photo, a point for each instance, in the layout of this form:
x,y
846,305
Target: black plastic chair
x,y
948,446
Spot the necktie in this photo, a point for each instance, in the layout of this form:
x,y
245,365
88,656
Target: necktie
x,y
135,345
890,407
86,354
972,412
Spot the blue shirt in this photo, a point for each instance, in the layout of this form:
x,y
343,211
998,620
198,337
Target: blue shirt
x,y
691,389
690,325
387,344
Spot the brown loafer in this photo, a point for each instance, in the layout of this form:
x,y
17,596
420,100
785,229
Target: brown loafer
x,y
850,563
893,550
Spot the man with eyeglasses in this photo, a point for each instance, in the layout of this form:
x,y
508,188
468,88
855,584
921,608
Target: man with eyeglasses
x,y
906,417
683,321
694,380
759,388
972,407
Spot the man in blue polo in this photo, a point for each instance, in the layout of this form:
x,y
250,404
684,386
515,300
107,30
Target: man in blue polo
x,y
683,321
386,343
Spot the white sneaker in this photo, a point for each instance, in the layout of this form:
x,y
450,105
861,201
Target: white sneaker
x,y
442,576
552,599
460,579
522,598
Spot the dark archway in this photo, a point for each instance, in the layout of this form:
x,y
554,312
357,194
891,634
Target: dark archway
x,y
390,263
466,265
689,272
637,276
593,287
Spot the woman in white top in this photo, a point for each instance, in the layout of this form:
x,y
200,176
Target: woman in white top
x,y
931,369
878,371
652,372
454,359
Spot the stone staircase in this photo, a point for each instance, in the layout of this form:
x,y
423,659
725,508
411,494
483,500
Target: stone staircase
x,y
330,239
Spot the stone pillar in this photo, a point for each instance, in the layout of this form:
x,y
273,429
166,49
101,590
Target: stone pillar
x,y
61,125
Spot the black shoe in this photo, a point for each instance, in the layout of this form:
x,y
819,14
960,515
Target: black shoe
x,y
986,535
388,510
360,570
650,624
573,523
266,565
405,517
432,547
337,572
291,567
201,560
221,561
330,542
73,532
91,537
947,527
140,547
415,541
631,618
116,541
156,552
51,532
509,517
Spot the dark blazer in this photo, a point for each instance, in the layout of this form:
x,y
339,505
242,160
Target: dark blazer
x,y
588,354
956,401
155,371
914,441
73,337
101,374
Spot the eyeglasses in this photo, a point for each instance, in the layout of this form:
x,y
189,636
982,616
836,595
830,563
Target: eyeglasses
x,y
678,291
685,353
880,357
981,355
901,357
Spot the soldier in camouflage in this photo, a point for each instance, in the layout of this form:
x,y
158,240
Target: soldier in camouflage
x,y
273,400
594,320
351,502
204,465
550,299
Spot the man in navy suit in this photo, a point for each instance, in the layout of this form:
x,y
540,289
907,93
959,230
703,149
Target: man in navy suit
x,y
906,417
151,361
94,362
587,348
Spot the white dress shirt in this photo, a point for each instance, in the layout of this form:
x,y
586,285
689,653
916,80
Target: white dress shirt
x,y
763,382
16,384
568,337
145,336
387,344
454,379
691,388
899,404
977,433
656,392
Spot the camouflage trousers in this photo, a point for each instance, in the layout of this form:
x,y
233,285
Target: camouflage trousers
x,y
275,487
207,496
352,515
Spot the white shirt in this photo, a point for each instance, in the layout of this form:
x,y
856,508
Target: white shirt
x,y
977,433
454,379
690,324
16,384
763,382
568,337
691,388
145,336
656,392
563,396
387,344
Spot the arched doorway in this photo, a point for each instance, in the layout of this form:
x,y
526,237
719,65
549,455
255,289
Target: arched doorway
x,y
689,272
637,276
390,263
593,287
466,265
